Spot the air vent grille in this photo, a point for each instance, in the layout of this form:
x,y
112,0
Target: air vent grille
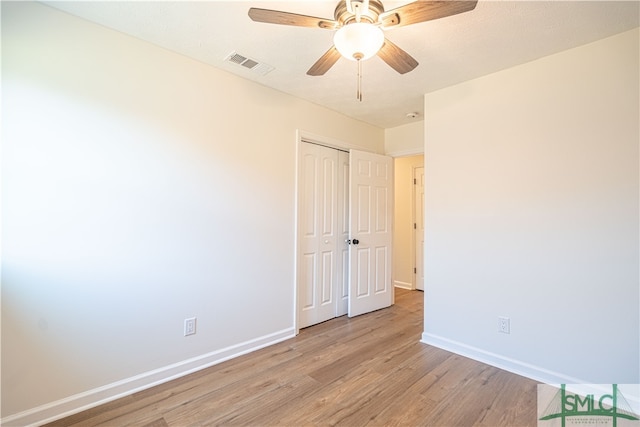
x,y
236,59
251,64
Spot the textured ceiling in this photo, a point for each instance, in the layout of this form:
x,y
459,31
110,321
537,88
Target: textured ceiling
x,y
494,36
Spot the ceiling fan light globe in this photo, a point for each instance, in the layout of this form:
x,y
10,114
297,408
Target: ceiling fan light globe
x,y
358,40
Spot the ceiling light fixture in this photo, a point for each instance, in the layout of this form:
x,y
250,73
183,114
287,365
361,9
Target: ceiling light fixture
x,y
359,39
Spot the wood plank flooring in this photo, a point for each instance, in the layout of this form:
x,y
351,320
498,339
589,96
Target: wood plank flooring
x,y
370,370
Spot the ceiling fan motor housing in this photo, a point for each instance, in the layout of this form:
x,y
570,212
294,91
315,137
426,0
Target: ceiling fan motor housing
x,y
344,17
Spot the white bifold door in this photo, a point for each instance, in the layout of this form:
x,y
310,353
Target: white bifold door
x,y
345,202
370,225
322,282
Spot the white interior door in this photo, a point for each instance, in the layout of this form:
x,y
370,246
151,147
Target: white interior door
x,y
322,233
317,218
370,224
418,176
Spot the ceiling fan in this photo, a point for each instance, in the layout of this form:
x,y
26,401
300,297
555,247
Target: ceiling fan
x,y
360,25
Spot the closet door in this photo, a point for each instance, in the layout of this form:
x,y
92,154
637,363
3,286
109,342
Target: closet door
x,y
370,212
320,234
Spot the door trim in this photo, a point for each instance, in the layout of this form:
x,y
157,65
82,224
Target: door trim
x,y
305,136
414,206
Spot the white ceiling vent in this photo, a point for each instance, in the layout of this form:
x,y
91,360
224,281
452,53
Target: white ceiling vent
x,y
251,64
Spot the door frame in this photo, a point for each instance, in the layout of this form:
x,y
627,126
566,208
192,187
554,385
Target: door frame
x,y
304,137
414,206
404,183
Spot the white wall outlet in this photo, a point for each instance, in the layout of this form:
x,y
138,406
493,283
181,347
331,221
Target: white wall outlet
x,y
189,326
504,325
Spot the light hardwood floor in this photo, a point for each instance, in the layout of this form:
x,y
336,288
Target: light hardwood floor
x,y
369,370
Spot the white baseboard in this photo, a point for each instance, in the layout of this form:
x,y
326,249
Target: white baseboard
x,y
518,367
80,402
403,285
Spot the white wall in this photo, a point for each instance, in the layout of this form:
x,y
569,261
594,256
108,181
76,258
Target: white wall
x,y
405,140
139,188
532,213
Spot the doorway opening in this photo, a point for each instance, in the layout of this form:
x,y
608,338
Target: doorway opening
x,y
408,227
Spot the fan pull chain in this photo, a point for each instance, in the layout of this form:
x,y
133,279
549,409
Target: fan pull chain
x,y
359,94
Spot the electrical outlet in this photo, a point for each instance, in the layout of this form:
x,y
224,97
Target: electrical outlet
x,y
504,325
189,326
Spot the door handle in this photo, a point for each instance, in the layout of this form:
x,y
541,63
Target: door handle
x,y
355,241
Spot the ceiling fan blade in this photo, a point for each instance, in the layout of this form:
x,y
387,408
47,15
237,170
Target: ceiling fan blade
x,y
286,18
325,62
424,10
397,58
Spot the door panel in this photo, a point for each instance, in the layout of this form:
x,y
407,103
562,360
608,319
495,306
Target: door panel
x,y
371,186
381,269
363,266
317,271
323,230
327,277
307,275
